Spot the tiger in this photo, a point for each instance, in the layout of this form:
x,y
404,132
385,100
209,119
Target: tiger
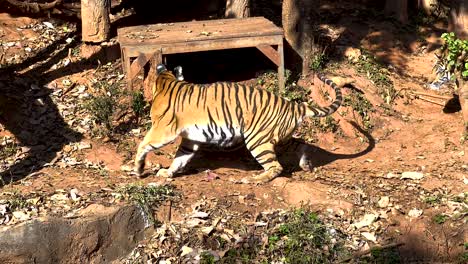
x,y
224,114
442,73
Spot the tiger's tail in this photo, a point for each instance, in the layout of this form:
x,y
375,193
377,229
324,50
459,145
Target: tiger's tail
x,y
318,111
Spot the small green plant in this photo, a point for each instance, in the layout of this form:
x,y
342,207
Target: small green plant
x,y
439,219
268,80
376,72
16,201
359,103
296,93
138,104
8,148
454,54
206,258
147,197
432,200
327,124
303,238
102,105
318,61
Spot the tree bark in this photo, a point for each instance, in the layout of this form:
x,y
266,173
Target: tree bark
x,y
458,20
95,20
397,8
297,20
427,6
458,23
237,8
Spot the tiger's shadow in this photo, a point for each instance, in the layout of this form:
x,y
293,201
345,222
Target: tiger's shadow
x,y
241,159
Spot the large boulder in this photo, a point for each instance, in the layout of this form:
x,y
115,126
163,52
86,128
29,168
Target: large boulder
x,y
98,235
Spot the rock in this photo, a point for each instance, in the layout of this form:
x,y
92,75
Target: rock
x,y
105,236
413,175
186,250
415,213
21,216
391,175
369,236
199,214
383,202
84,145
352,54
366,220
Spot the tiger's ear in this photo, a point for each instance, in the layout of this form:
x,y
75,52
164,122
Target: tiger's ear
x,y
178,73
161,68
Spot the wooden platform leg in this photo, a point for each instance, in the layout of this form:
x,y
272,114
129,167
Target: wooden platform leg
x,y
126,67
281,77
156,58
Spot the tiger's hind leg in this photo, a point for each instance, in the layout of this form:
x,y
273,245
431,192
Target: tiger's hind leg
x,y
303,152
184,154
266,156
156,137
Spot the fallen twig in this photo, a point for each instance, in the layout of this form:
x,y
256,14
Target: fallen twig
x,y
431,101
432,95
69,88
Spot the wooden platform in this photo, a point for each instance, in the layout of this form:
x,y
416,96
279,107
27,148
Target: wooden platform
x,y
139,44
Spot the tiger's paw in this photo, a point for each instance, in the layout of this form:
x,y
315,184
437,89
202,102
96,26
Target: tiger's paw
x,y
306,165
261,178
137,170
164,173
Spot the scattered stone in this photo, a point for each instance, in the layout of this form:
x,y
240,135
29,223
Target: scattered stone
x,y
383,202
366,220
415,213
369,236
84,145
199,214
413,175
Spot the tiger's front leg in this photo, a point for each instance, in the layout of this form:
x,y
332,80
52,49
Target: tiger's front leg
x,y
266,156
184,154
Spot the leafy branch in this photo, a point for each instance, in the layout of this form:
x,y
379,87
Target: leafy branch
x,y
454,52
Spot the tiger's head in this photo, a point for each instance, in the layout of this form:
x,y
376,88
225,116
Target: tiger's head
x,y
164,75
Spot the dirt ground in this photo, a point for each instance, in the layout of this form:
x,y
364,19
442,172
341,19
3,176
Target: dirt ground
x,y
356,172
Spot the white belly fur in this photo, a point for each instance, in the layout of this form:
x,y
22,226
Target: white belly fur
x,y
201,134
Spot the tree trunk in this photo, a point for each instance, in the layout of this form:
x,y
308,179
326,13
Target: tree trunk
x,y
95,20
237,8
458,23
297,20
427,6
397,8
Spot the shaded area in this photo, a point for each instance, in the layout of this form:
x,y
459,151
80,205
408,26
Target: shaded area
x,y
28,111
99,235
287,156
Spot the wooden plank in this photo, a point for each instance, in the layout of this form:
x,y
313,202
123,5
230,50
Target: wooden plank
x,y
270,52
138,64
281,77
126,65
205,45
231,25
195,31
149,81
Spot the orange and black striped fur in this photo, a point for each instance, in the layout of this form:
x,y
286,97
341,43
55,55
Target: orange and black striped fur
x,y
224,114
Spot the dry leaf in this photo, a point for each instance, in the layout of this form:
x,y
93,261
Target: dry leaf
x,y
366,220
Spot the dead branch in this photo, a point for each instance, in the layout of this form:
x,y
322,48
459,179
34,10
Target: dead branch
x,y
430,101
34,7
432,95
